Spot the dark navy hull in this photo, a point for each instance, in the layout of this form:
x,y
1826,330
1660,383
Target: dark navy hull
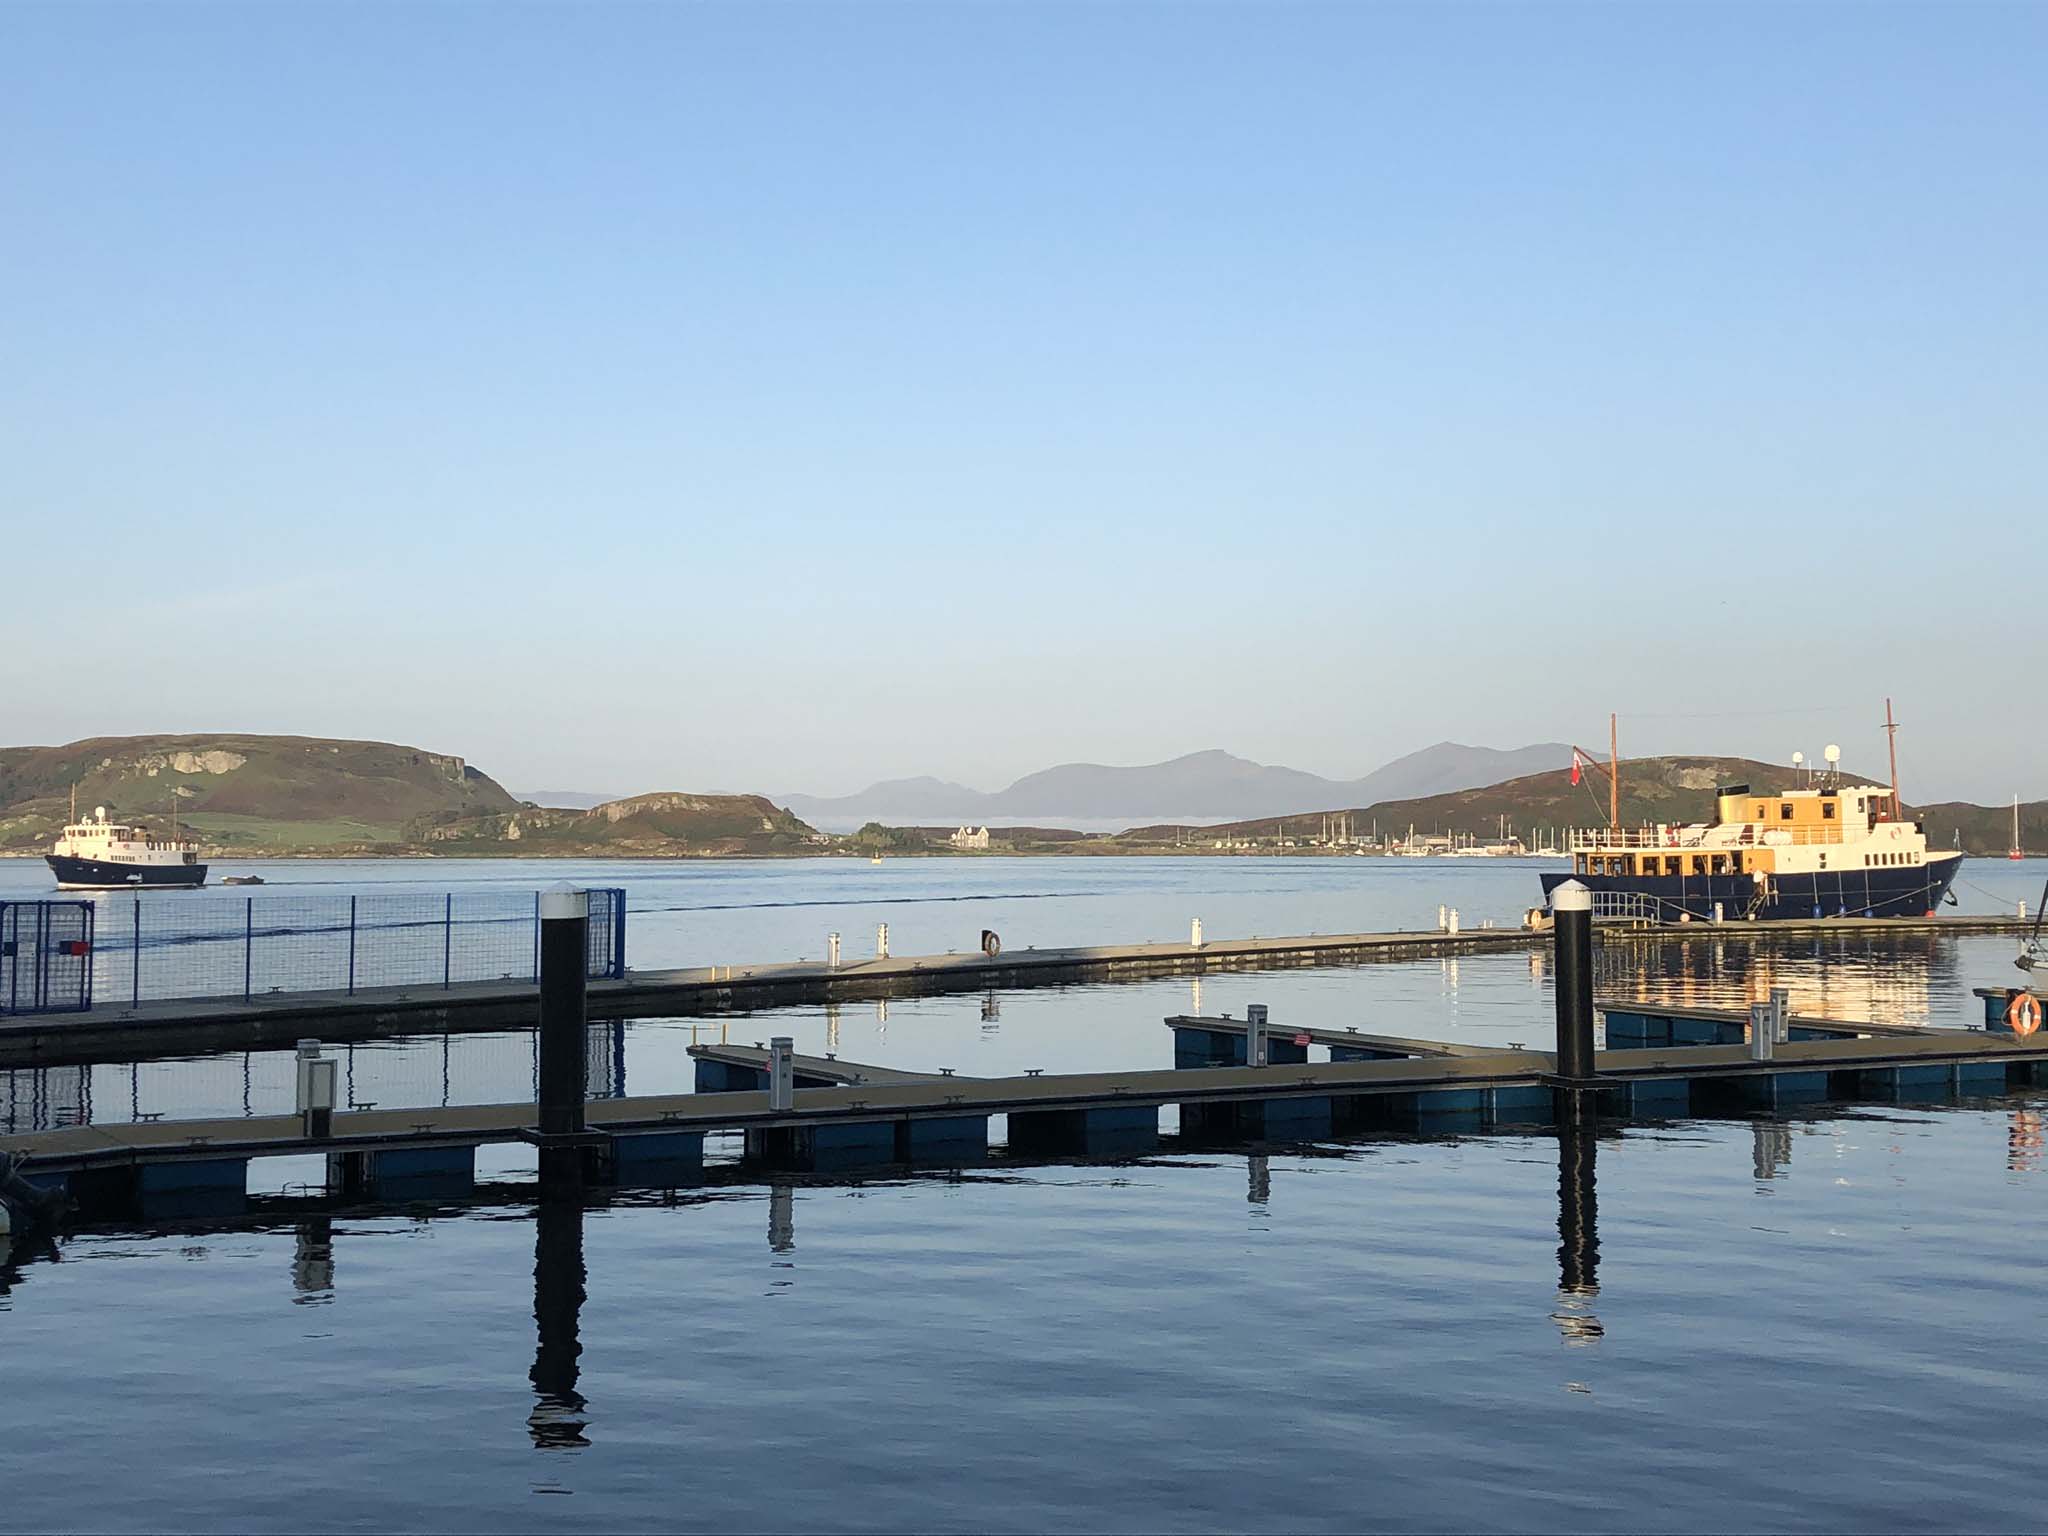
x,y
1897,892
99,875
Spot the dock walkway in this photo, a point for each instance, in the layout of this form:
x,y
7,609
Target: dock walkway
x,y
278,1020
905,1117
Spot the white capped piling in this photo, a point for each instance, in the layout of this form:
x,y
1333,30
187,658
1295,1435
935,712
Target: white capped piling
x,y
1571,912
881,941
781,1073
316,1076
1195,934
1255,1035
564,958
1443,917
1452,926
832,951
1717,911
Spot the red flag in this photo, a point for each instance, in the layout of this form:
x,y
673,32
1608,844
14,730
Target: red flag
x,y
1575,765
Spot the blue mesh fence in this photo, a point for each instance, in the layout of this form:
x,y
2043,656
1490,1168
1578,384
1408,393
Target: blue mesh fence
x,y
46,956
161,945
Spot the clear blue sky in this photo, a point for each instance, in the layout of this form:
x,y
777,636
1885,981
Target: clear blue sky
x,y
779,398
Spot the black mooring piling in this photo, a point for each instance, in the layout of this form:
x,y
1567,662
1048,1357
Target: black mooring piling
x,y
564,945
1571,912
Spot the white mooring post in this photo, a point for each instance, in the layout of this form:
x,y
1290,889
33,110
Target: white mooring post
x,y
1443,917
315,1090
881,941
1195,934
1763,1031
832,951
1453,926
1781,1015
1255,1035
781,1074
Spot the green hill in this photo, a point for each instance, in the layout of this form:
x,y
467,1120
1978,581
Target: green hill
x,y
242,793
1653,789
658,825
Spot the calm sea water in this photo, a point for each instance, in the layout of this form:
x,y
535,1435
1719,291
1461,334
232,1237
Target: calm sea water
x,y
1817,1322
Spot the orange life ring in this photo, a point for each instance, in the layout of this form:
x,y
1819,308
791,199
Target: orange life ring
x,y
2023,1014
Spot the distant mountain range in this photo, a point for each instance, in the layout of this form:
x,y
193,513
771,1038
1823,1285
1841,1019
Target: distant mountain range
x,y
564,799
1198,788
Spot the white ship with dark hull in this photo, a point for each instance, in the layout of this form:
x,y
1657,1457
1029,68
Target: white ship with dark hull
x,y
1834,850
103,855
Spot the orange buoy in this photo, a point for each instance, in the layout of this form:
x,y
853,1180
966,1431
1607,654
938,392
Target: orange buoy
x,y
2023,1014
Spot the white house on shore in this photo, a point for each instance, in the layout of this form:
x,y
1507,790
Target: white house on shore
x,y
970,838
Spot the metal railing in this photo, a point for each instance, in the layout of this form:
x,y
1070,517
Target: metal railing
x,y
1737,835
152,947
46,956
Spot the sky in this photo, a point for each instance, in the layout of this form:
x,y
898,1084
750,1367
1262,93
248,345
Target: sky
x,y
778,398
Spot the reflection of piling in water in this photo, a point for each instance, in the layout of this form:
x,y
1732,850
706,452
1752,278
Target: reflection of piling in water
x,y
557,1419
1258,1179
313,1260
781,1218
1578,1236
1578,1216
1770,1148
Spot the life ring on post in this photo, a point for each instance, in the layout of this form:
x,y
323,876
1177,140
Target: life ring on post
x,y
991,943
2023,1014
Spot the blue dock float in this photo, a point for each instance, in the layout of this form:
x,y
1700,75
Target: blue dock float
x,y
1110,1130
945,1139
399,1173
656,1159
1196,1046
1637,1026
827,1148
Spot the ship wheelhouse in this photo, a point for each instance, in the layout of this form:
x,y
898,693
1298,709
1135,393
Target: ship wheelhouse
x,y
1833,828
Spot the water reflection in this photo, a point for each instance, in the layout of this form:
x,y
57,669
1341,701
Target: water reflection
x,y
2024,1141
1770,1148
781,1218
1885,978
1578,1237
313,1261
558,1419
1258,1179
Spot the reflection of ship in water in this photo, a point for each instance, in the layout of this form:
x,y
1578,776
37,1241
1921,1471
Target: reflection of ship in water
x,y
1883,978
2026,1138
